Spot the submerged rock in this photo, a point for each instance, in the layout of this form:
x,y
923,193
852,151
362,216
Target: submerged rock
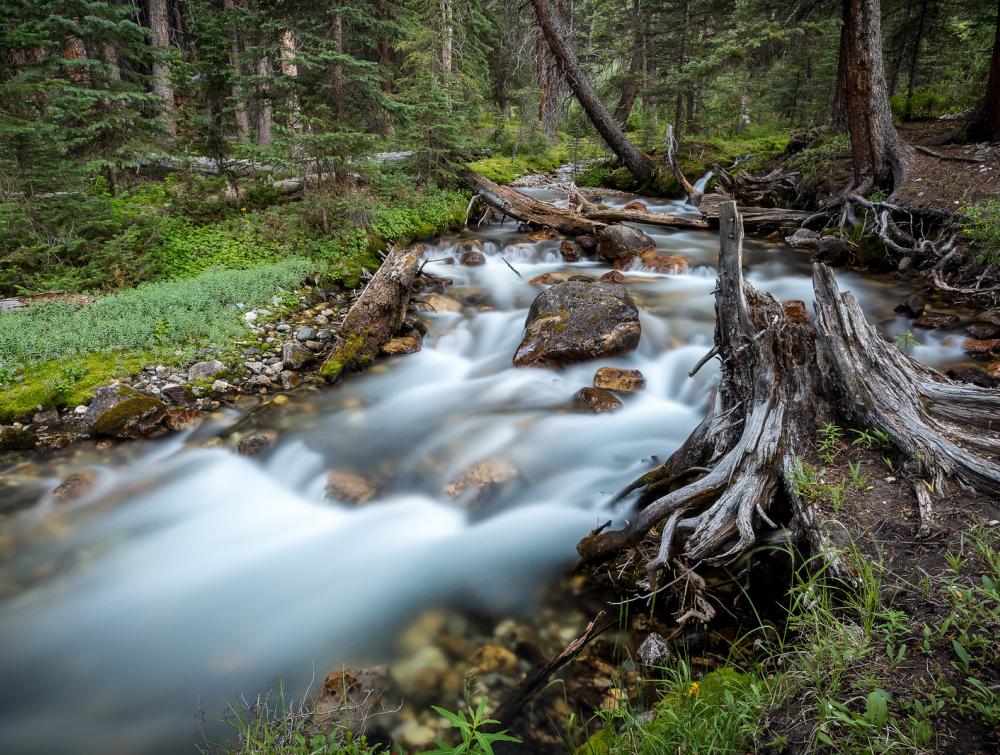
x,y
670,264
803,238
596,400
402,345
979,346
620,244
76,485
833,251
257,442
612,276
621,381
442,303
482,478
575,322
587,243
931,320
570,251
17,439
914,306
635,204
349,487
983,330
472,258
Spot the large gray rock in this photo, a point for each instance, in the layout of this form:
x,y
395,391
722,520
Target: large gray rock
x,y
122,413
620,244
576,321
205,370
295,356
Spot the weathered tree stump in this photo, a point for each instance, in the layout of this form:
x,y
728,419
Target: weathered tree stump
x,y
780,381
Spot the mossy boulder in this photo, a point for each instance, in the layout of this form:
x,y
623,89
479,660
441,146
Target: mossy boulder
x,y
132,416
576,321
17,439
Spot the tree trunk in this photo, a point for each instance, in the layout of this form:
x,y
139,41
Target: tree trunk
x,y
637,62
555,34
265,120
290,70
337,69
679,126
549,81
74,52
881,157
838,116
162,86
447,36
918,40
240,114
985,124
780,380
377,315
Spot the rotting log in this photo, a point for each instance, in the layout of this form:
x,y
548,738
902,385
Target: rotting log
x,y
377,315
512,203
780,380
612,215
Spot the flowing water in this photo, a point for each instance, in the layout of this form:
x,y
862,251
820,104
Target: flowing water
x,y
191,575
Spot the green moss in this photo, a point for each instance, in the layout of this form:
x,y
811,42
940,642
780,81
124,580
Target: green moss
x,y
342,358
17,439
114,420
67,382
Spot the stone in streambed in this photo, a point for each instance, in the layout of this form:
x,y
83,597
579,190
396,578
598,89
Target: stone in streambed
x,y
545,234
350,697
349,487
670,264
620,381
570,251
983,330
803,238
205,370
442,303
120,413
832,251
620,244
980,347
294,356
482,478
17,439
613,276
635,204
596,400
410,344
914,306
257,442
932,320
575,322
587,243
76,485
472,258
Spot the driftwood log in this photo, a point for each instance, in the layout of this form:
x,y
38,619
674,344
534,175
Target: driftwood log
x,y
377,315
580,204
780,380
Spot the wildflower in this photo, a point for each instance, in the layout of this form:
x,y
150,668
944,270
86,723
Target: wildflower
x,y
693,689
243,209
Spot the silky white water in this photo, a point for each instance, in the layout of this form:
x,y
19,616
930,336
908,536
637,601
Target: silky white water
x,y
191,575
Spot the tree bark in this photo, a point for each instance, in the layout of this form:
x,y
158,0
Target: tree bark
x,y
838,116
162,86
377,315
985,124
265,119
637,62
447,36
74,51
681,60
552,27
881,157
240,114
549,86
337,70
918,40
290,70
780,380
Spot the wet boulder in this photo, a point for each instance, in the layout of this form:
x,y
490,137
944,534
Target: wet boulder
x,y
295,356
75,486
983,330
350,697
980,346
575,322
349,487
119,412
544,234
914,306
669,264
257,442
472,258
442,303
635,204
587,243
596,400
408,344
619,381
832,251
612,276
619,244
932,320
570,251
17,439
205,370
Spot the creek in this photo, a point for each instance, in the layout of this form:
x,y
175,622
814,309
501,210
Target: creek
x,y
190,575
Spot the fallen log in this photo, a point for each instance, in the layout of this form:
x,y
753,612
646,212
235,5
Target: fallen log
x,y
377,315
780,381
757,219
612,215
512,203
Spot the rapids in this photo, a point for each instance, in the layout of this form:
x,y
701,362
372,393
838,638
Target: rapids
x,y
192,575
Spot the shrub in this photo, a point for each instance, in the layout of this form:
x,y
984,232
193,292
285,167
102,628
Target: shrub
x,y
980,223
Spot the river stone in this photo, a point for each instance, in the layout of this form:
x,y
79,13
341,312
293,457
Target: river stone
x,y
442,303
17,439
547,279
932,320
803,238
620,381
574,322
205,370
482,478
991,316
350,697
635,204
596,400
974,377
570,251
289,380
619,244
545,234
833,251
76,485
612,276
257,442
402,345
134,416
294,356
490,659
305,333
472,258
173,392
670,264
914,306
980,346
983,330
348,487
182,418
587,243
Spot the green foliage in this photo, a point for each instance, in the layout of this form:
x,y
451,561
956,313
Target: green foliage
x,y
981,226
905,341
475,740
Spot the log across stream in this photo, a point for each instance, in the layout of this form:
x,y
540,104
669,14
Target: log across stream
x,y
191,575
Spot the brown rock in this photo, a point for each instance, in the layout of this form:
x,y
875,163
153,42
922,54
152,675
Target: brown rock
x,y
493,659
257,442
596,400
135,416
936,320
991,316
17,439
795,310
635,204
482,478
402,345
544,234
587,243
76,485
620,381
570,251
349,487
620,244
612,276
983,330
671,264
980,346
574,322
914,306
183,419
350,697
441,303
473,258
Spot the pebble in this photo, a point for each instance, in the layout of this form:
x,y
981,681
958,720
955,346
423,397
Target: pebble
x,y
283,327
80,410
305,333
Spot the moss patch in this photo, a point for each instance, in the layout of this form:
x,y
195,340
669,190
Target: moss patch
x,y
138,409
342,358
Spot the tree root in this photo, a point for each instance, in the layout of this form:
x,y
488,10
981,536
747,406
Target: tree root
x,y
780,380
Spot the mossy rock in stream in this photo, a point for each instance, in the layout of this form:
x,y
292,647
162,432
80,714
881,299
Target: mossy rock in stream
x,y
17,439
135,417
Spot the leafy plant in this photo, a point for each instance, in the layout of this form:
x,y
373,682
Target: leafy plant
x,y
475,739
829,441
